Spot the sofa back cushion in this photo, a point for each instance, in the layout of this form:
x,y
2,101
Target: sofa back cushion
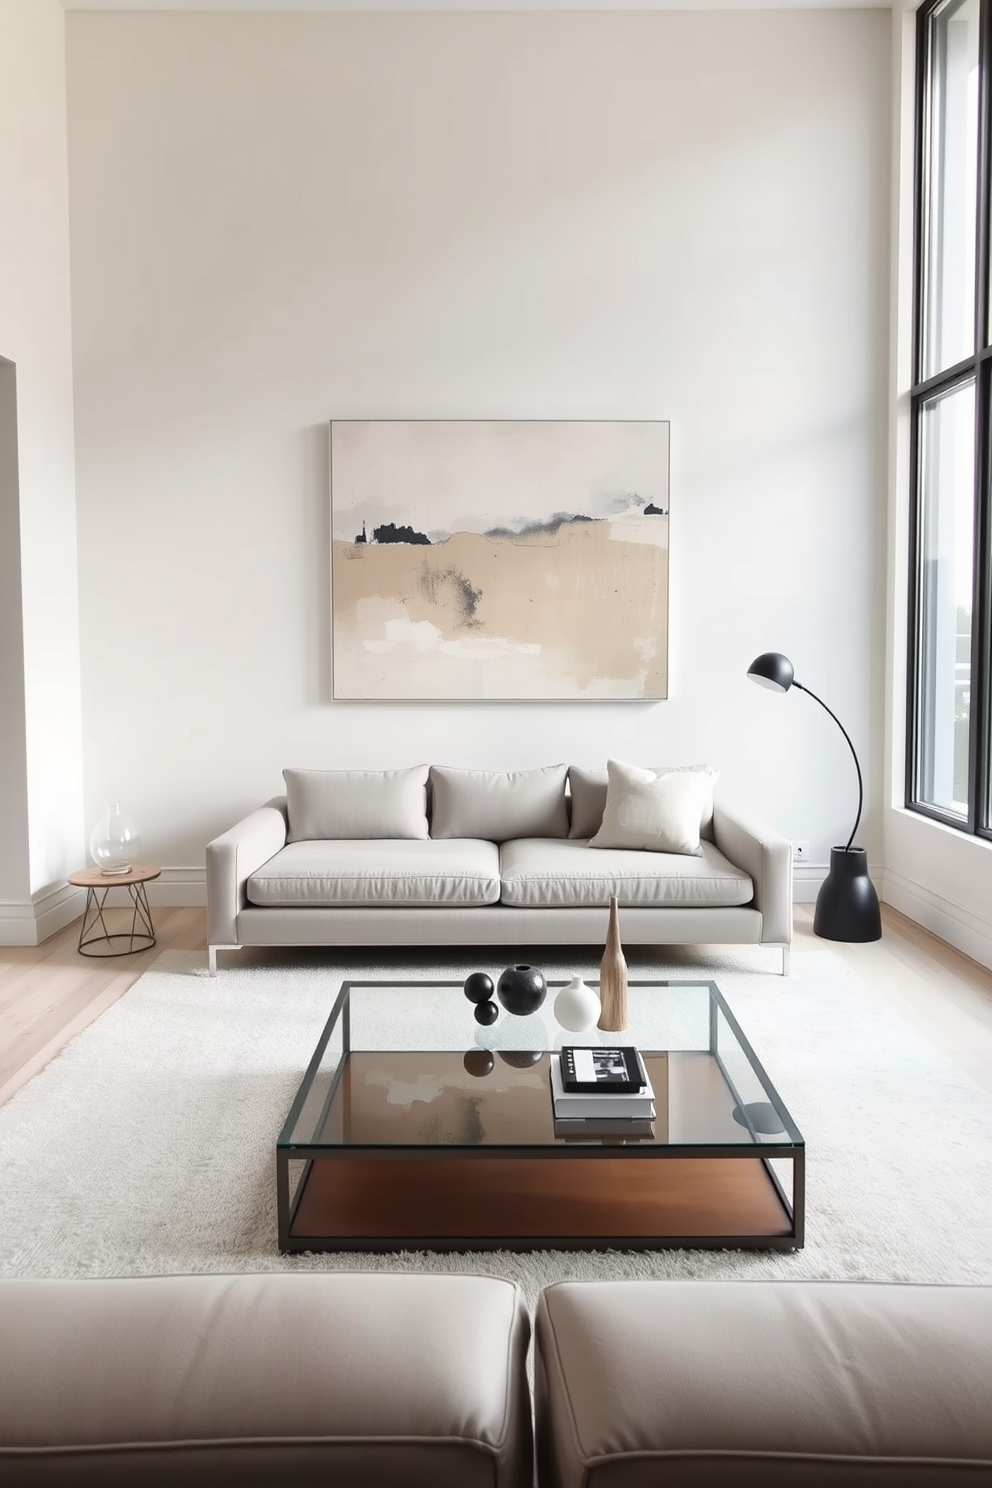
x,y
388,1380
327,804
833,1383
588,792
499,805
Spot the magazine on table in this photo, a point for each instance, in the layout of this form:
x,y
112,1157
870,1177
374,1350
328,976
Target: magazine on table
x,y
601,1071
637,1105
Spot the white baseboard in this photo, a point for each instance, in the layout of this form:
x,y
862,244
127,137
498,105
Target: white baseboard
x,y
806,881
177,887
29,922
966,931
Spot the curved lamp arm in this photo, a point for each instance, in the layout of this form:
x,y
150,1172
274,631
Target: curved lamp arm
x,y
861,790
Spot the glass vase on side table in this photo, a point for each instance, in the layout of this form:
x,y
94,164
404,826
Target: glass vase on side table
x,y
114,842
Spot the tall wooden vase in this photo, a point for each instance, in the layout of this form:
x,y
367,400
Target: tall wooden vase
x,y
613,977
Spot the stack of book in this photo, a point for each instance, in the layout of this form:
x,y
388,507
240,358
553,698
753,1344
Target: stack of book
x,y
601,1092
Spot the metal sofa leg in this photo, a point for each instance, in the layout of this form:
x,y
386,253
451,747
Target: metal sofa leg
x,y
785,949
212,955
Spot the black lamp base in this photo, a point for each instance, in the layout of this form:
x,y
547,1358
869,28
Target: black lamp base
x,y
847,905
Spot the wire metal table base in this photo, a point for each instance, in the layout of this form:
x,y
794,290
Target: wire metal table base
x,y
141,936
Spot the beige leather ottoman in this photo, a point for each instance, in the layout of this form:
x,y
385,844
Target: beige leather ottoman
x,y
350,1379
736,1384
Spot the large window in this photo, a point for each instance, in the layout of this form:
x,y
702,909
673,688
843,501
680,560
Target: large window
x,y
948,773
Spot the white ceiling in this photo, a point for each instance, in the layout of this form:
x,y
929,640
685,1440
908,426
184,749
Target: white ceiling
x,y
312,5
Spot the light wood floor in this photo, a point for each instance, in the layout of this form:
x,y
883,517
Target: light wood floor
x,y
49,992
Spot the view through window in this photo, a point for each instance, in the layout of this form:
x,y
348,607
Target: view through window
x,y
948,772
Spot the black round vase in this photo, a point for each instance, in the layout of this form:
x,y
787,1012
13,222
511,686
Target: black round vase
x,y
522,989
847,905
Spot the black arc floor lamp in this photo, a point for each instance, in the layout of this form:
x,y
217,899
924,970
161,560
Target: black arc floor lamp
x,y
847,905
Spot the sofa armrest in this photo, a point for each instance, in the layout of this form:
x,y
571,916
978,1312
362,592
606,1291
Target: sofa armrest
x,y
231,860
767,858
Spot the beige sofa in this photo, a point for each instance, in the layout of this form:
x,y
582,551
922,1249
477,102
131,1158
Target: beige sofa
x,y
420,1381
432,856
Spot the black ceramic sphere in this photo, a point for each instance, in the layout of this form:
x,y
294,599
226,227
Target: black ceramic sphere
x,y
479,987
479,1063
486,1013
522,989
520,1058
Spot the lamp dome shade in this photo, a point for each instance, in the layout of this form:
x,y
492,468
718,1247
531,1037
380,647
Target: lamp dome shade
x,y
772,669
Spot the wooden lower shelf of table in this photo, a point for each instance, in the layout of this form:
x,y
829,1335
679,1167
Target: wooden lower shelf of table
x,y
537,1202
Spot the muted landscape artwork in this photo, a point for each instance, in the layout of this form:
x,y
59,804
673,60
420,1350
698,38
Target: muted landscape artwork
x,y
499,559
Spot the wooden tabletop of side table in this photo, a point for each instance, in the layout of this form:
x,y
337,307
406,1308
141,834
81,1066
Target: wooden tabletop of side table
x,y
93,878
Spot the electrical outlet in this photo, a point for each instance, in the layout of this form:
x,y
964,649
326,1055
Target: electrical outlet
x,y
800,852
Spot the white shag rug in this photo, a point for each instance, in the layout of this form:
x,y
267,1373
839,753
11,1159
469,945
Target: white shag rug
x,y
148,1145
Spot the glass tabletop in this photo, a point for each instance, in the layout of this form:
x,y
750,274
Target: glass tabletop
x,y
405,1065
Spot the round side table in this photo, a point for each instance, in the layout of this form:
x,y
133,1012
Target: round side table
x,y
94,932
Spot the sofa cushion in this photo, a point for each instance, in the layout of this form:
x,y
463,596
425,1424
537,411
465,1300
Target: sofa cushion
x,y
588,788
356,803
781,1383
656,813
498,804
239,1381
347,874
536,874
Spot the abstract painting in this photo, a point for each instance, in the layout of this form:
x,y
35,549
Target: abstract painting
x,y
483,559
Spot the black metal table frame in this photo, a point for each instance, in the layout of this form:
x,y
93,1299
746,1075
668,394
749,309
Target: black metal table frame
x,y
96,899
792,1150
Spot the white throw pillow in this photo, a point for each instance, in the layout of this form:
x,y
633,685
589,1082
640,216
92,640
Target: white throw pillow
x,y
588,796
328,804
656,813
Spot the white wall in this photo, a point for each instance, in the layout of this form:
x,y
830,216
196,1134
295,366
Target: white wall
x,y
937,876
42,841
280,220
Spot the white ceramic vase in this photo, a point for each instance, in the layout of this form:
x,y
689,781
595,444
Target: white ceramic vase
x,y
577,1007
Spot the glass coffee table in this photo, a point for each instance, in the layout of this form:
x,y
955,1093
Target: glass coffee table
x,y
416,1129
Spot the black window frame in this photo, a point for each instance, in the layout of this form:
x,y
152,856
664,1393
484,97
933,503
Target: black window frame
x,y
977,367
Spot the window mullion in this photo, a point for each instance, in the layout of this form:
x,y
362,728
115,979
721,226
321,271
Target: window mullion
x,y
977,701
923,209
981,701
981,615
984,153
